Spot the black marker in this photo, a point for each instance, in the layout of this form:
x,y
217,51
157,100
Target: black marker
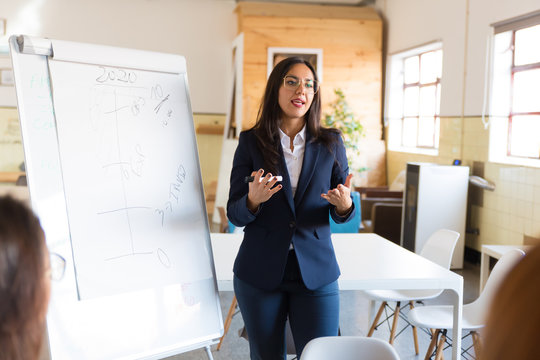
x,y
249,179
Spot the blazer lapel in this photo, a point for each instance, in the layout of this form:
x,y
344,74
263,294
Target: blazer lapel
x,y
311,155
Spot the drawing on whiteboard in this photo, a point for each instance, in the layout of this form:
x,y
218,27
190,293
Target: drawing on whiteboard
x,y
163,258
130,178
42,120
115,74
174,194
135,164
158,106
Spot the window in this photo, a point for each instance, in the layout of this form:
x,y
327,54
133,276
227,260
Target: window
x,y
414,99
515,89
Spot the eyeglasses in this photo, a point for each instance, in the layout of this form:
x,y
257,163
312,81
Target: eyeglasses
x,y
58,266
292,83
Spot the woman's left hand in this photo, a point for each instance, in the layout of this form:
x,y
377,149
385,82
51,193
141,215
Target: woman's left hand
x,y
340,197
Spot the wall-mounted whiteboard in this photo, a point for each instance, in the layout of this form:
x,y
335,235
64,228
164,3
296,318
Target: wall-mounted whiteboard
x,y
113,174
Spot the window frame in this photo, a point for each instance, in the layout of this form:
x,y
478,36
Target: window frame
x,y
394,104
513,70
500,136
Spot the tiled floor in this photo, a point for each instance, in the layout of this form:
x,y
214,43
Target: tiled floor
x,y
353,321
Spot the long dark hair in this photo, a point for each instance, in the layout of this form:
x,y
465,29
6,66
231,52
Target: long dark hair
x,y
24,288
267,126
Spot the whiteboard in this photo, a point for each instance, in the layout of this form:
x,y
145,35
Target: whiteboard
x,y
113,174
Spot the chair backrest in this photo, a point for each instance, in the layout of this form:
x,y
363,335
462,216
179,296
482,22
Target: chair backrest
x,y
440,246
348,348
480,306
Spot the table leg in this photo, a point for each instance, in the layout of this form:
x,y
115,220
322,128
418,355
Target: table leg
x,y
457,300
228,321
484,270
209,353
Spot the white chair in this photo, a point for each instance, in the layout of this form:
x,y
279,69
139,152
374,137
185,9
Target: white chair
x,y
438,248
348,348
439,318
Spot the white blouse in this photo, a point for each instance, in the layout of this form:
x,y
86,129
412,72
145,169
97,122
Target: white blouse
x,y
294,159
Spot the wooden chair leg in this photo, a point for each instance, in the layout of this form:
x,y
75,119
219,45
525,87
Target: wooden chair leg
x,y
394,323
414,331
376,320
477,344
440,347
431,347
228,321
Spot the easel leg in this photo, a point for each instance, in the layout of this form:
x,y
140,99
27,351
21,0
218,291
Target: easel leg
x,y
228,320
209,353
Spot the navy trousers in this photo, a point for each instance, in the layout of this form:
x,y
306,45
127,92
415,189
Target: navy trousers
x,y
311,313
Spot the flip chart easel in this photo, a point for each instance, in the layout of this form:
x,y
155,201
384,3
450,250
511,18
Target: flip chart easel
x,y
114,176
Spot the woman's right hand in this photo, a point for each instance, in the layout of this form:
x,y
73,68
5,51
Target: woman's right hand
x,y
261,191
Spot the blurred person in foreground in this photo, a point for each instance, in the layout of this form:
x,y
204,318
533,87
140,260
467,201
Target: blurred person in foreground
x,y
514,314
24,281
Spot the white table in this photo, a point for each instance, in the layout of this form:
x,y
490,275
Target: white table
x,y
494,251
367,262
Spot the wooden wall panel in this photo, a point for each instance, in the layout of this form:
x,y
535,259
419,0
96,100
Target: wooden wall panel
x,y
351,41
306,10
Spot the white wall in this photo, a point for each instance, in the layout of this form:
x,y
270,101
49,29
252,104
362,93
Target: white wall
x,y
463,26
200,30
412,23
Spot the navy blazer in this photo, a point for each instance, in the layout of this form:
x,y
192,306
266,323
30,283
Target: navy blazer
x,y
281,220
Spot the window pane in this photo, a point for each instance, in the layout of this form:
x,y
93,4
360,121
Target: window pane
x,y
526,97
426,129
410,101
527,50
524,139
409,131
437,132
416,98
438,108
410,70
430,66
428,100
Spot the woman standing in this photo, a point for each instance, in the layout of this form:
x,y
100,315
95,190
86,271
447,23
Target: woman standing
x,y
286,266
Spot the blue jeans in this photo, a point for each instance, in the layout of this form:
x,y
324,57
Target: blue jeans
x,y
311,313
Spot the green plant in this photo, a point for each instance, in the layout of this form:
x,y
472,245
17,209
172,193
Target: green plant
x,y
344,119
